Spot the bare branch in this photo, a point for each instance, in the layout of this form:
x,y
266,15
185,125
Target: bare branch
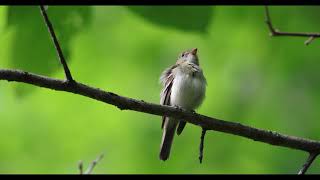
x,y
308,41
305,167
276,32
56,44
93,164
80,166
123,103
312,36
268,21
203,133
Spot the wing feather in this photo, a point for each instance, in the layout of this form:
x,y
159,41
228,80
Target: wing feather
x,y
166,79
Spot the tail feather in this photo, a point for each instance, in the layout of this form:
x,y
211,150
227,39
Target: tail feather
x,y
167,138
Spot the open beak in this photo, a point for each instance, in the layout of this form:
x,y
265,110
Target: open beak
x,y
194,51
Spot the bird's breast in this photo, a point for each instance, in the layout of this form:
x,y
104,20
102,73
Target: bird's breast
x,y
188,90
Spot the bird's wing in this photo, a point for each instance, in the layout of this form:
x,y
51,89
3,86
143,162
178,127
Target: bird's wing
x,y
166,79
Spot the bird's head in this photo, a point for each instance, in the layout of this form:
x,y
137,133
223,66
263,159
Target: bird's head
x,y
189,56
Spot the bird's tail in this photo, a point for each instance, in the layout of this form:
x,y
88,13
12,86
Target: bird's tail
x,y
167,138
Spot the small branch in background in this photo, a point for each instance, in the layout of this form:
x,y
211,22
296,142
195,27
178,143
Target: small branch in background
x,y
80,166
308,41
276,32
56,44
312,36
91,166
269,23
203,133
305,167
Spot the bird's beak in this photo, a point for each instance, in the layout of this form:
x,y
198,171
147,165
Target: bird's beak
x,y
194,51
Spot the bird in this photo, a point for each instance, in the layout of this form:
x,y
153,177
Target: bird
x,y
183,86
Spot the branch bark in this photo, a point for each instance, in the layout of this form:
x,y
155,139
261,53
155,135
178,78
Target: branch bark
x,y
276,32
125,103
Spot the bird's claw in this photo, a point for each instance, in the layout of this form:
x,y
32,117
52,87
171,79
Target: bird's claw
x,y
177,107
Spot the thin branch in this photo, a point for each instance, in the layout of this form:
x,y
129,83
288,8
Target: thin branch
x,y
269,23
276,32
56,44
305,167
125,103
91,166
312,36
203,133
80,166
308,41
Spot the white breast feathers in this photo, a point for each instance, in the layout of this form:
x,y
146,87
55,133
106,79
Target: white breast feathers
x,y
189,86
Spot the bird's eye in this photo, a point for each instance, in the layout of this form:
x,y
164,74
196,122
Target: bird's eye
x,y
183,54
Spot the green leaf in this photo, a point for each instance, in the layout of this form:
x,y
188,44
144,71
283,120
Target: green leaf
x,y
32,48
184,18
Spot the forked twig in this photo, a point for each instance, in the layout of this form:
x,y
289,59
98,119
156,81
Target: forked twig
x,y
92,165
276,32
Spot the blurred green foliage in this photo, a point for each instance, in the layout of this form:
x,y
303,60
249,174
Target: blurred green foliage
x,y
178,17
29,30
269,83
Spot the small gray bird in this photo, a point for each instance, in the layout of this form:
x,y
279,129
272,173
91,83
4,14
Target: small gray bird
x,y
184,86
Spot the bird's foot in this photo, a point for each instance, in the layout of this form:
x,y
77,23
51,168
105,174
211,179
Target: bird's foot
x,y
178,107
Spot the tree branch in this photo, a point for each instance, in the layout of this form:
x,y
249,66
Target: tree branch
x,y
276,32
56,44
305,167
125,103
312,36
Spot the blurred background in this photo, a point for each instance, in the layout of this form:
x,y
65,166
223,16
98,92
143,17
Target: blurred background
x,y
267,82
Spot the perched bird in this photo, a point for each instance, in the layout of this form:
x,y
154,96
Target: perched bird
x,y
184,86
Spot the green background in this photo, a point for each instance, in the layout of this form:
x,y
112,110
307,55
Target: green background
x,y
267,82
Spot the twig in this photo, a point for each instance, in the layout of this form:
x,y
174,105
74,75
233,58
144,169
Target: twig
x,y
276,32
125,103
80,166
312,36
268,21
308,41
56,44
305,167
91,166
203,133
